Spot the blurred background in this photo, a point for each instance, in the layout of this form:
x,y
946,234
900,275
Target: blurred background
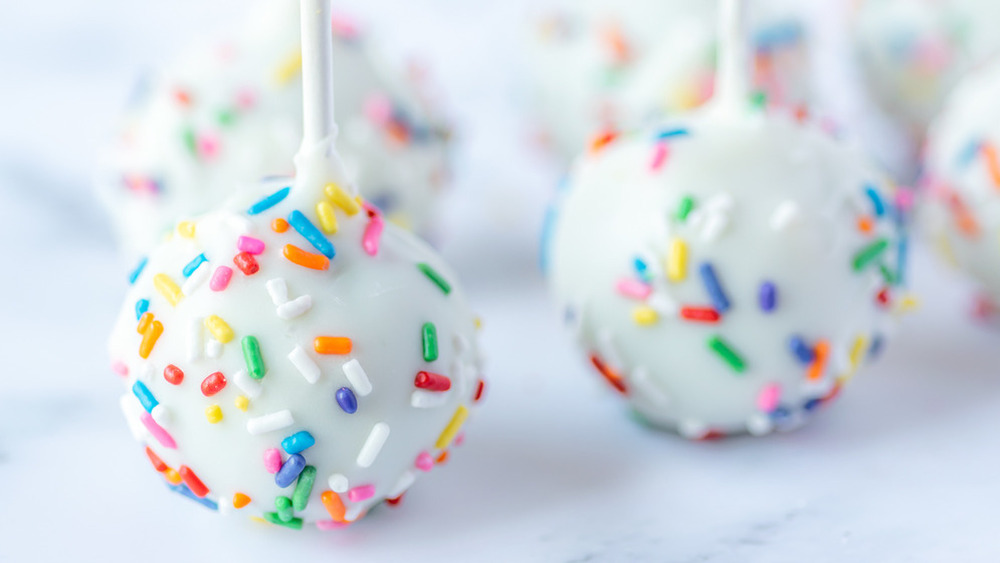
x,y
902,469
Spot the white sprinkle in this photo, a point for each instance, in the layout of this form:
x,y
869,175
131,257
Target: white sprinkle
x,y
270,422
250,386
607,349
306,366
295,307
461,343
715,226
648,387
278,290
354,512
198,277
462,373
404,483
195,339
213,348
338,483
146,373
373,445
358,378
720,203
161,415
427,400
785,216
226,508
692,429
759,424
663,304
130,408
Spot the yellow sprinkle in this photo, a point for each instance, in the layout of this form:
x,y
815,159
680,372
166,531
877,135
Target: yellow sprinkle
x,y
186,229
289,68
685,97
242,402
342,200
450,431
168,289
400,220
259,520
327,219
213,413
907,304
478,323
172,477
645,316
945,250
677,261
219,329
857,351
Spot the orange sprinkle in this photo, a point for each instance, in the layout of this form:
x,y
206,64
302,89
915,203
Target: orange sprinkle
x,y
144,322
992,162
334,506
305,259
279,225
615,41
172,477
602,140
866,224
149,339
443,458
613,377
240,500
332,345
819,364
156,461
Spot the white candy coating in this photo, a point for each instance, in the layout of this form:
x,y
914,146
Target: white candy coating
x,y
227,114
622,65
383,303
913,52
774,202
962,211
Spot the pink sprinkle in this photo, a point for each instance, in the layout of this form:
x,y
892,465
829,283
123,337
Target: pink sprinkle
x,y
250,245
344,26
272,460
634,289
221,277
331,524
360,493
120,368
373,233
458,440
769,397
905,199
425,462
161,435
208,146
246,99
659,156
378,109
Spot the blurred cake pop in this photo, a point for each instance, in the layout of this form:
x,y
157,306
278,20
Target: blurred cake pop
x,y
913,52
603,66
224,116
292,356
728,271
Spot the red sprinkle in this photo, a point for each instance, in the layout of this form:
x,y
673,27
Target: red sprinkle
x,y
193,482
883,297
394,501
246,263
157,462
479,391
173,374
700,314
213,384
432,381
616,380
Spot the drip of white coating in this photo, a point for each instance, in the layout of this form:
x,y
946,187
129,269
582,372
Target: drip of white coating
x,y
733,73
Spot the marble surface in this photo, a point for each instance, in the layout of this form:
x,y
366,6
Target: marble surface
x,y
901,470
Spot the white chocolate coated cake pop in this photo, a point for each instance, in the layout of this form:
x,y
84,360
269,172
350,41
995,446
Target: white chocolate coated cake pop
x,y
293,356
602,67
962,179
913,52
727,272
227,114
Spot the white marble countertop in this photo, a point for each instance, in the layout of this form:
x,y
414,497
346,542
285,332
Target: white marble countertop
x,y
902,469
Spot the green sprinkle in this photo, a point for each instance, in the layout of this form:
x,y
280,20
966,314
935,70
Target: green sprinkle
x,y
284,506
430,342
294,523
190,141
303,488
252,357
730,356
869,253
685,208
226,117
758,100
888,275
435,277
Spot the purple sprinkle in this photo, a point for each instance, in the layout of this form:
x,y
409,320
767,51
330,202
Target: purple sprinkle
x,y
347,400
768,297
290,470
801,350
714,288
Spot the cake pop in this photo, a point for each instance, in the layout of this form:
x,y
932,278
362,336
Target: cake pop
x,y
602,67
293,356
224,116
729,270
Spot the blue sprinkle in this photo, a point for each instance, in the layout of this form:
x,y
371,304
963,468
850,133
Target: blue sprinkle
x,y
781,34
768,297
309,231
141,306
145,396
548,229
672,133
812,404
138,270
801,350
902,258
876,348
347,400
781,415
642,269
193,265
269,201
289,472
968,154
183,489
877,204
714,288
298,442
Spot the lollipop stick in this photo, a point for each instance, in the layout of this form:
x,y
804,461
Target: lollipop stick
x,y
317,74
732,75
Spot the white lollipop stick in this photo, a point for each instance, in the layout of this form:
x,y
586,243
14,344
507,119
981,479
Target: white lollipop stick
x,y
732,76
317,73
